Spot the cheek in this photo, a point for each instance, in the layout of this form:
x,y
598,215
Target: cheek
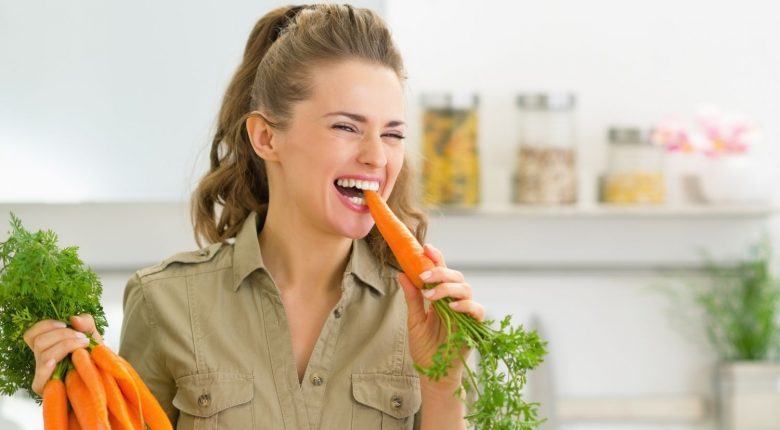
x,y
396,161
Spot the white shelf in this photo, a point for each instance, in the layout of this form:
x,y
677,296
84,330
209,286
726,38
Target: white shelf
x,y
610,211
130,235
615,238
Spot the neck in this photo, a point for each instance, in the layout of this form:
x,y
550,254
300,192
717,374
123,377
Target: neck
x,y
300,258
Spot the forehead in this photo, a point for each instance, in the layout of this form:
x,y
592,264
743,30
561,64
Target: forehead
x,y
372,90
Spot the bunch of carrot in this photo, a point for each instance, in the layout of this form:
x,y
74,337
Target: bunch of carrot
x,y
94,388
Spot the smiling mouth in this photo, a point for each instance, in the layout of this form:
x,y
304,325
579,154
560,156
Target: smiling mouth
x,y
353,188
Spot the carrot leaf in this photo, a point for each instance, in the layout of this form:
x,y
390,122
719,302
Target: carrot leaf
x,y
38,281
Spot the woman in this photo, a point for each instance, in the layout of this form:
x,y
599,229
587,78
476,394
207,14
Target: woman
x,y
295,317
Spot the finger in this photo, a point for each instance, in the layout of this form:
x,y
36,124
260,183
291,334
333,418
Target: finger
x,y
476,310
48,359
441,274
414,301
50,338
434,254
457,291
86,324
40,327
43,373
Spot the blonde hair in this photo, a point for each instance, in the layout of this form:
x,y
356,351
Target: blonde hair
x,y
283,47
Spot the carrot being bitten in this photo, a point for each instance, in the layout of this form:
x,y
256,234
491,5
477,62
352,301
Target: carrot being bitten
x,y
505,354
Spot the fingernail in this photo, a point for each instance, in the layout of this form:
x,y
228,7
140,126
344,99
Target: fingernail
x,y
81,335
425,275
60,324
50,363
429,293
454,305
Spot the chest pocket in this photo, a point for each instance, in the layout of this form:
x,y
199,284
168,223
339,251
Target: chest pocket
x,y
215,400
386,402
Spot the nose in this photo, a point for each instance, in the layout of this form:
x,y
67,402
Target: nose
x,y
372,151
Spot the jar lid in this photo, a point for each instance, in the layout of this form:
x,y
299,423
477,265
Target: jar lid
x,y
546,101
628,136
449,100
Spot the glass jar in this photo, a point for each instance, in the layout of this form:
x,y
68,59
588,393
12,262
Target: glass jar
x,y
634,168
546,171
449,148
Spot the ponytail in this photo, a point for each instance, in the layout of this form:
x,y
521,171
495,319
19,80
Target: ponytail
x,y
236,179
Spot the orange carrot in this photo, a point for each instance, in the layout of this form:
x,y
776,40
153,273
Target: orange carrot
x,y
83,402
89,374
135,417
106,360
114,421
405,247
73,423
117,405
55,405
154,415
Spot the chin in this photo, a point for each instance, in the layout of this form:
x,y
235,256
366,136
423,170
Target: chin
x,y
355,231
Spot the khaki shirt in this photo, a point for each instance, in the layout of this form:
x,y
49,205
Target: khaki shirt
x,y
208,333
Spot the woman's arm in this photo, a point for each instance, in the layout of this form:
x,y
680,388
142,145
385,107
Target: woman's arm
x,y
441,409
139,345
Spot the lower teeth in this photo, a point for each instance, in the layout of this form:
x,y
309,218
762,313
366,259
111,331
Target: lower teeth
x,y
357,200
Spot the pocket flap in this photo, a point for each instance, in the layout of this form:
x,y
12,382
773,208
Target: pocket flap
x,y
395,395
204,395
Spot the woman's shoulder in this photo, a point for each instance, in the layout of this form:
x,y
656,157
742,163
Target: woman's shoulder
x,y
168,279
208,258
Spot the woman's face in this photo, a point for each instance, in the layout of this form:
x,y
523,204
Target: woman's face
x,y
348,135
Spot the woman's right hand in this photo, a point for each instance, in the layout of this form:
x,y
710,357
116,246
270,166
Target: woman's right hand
x,y
52,340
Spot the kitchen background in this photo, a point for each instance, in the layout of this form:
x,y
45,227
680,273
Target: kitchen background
x,y
106,111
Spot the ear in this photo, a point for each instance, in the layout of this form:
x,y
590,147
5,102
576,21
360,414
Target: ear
x,y
262,136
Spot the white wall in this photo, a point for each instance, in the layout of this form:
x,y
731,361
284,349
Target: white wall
x,y
629,62
114,101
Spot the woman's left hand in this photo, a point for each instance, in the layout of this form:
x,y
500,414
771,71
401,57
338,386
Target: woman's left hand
x,y
426,331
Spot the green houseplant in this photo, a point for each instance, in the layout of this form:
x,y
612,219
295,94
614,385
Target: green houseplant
x,y
739,305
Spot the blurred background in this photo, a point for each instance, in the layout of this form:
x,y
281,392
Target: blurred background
x,y
581,163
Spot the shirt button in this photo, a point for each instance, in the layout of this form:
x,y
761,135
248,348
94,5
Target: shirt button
x,y
204,400
316,380
396,402
337,312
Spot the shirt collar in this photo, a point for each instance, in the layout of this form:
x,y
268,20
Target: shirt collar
x,y
365,267
247,258
246,251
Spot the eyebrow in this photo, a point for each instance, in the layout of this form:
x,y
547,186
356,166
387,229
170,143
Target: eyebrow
x,y
361,118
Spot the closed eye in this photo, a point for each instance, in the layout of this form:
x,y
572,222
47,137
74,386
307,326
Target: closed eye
x,y
395,136
345,127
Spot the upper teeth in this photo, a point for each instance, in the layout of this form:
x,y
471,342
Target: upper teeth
x,y
363,185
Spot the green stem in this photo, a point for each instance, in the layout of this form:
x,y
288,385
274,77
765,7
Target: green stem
x,y
57,314
92,342
62,367
472,376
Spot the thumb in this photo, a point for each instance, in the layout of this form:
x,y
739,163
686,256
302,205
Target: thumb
x,y
414,301
85,324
